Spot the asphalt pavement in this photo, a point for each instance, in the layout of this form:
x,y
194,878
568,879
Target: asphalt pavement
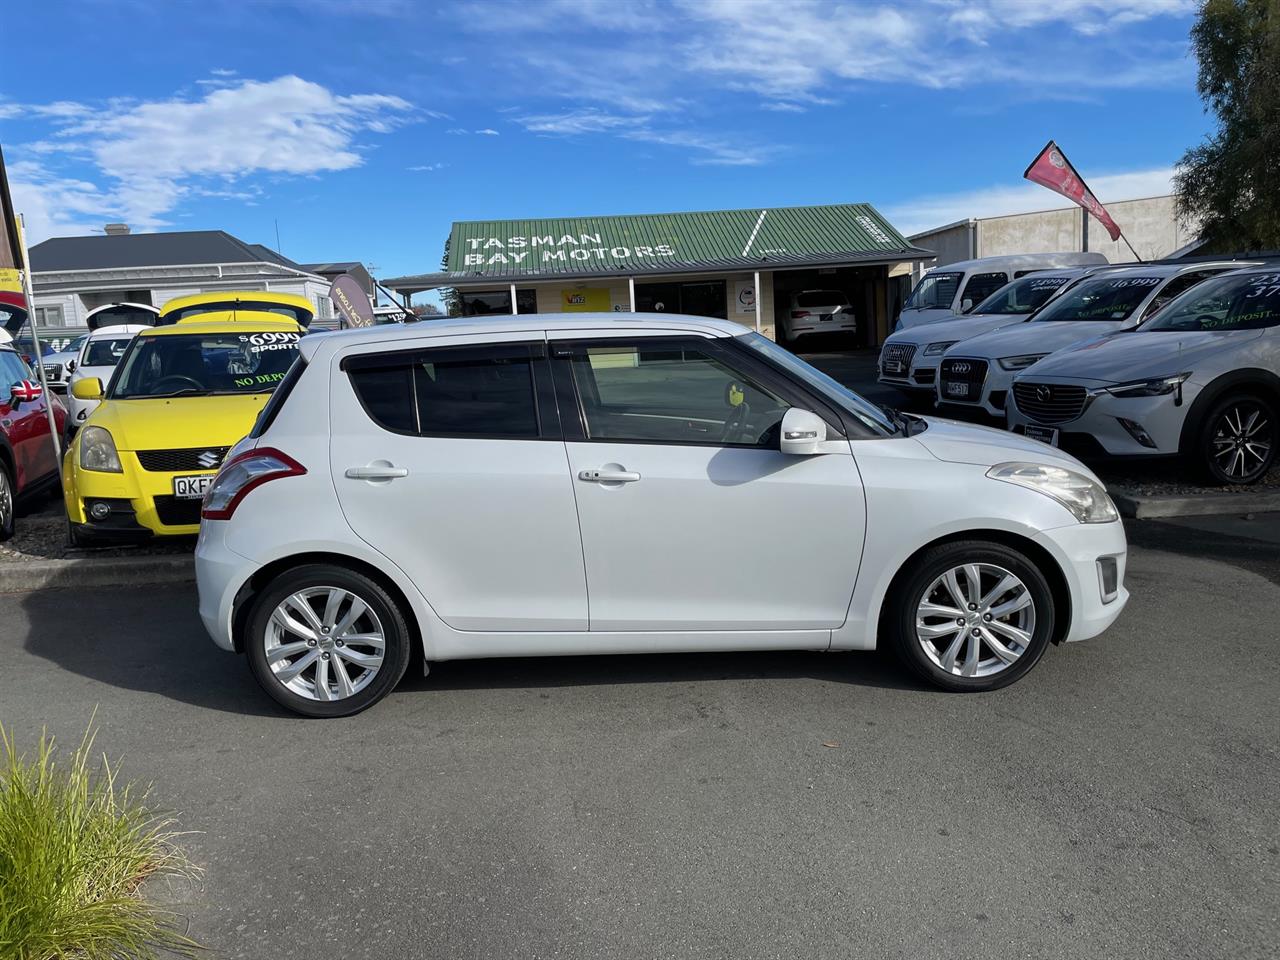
x,y
1120,802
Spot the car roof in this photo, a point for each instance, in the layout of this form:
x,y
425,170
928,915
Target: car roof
x,y
116,330
1048,261
226,321
230,296
538,323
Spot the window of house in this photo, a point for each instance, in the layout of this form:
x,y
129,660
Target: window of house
x,y
50,316
672,392
479,391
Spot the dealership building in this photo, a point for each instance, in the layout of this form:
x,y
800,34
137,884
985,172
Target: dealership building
x,y
741,265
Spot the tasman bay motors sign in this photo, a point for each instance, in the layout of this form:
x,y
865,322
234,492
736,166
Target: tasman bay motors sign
x,y
566,248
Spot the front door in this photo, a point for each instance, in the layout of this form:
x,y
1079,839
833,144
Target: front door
x,y
692,519
25,423
446,462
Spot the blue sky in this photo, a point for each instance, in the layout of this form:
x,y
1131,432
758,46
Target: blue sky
x,y
365,128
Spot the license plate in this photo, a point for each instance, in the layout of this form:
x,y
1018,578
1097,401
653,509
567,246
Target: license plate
x,y
957,389
1047,435
893,366
192,488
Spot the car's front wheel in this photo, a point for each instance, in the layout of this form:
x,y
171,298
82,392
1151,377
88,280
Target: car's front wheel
x,y
971,615
1238,440
7,505
326,641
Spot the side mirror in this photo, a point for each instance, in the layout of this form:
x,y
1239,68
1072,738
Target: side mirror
x,y
24,391
966,305
90,388
802,431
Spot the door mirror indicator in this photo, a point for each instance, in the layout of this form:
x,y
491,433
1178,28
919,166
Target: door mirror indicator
x,y
802,432
90,388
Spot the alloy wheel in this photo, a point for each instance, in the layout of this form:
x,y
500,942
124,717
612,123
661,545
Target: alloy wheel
x,y
6,500
1241,445
324,643
975,620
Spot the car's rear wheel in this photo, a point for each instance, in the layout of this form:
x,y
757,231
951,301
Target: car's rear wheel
x,y
326,641
1238,439
7,498
971,615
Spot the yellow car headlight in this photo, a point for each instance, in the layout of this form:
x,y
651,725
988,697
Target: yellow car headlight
x,y
98,451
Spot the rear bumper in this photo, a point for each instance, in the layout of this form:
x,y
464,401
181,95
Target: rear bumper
x,y
220,575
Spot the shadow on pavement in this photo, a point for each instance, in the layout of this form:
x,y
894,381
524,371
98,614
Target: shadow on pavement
x,y
150,639
1215,538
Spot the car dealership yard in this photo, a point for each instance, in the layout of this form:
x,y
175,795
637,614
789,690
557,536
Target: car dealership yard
x,y
1121,801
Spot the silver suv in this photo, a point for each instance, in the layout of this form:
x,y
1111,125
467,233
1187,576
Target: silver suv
x,y
1200,380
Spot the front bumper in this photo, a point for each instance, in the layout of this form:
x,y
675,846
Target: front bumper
x,y
1099,426
1078,550
991,396
147,495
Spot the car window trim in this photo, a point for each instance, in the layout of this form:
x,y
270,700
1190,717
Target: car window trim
x,y
545,411
724,349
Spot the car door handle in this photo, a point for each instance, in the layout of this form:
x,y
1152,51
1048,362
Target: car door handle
x,y
374,472
608,476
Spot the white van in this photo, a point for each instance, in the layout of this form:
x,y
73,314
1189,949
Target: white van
x,y
955,288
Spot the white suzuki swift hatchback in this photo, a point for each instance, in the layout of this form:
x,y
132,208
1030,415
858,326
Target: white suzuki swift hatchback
x,y
541,485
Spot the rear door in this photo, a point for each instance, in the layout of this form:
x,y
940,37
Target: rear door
x,y
450,462
692,519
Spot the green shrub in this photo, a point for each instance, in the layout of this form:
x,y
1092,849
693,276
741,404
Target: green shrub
x,y
75,849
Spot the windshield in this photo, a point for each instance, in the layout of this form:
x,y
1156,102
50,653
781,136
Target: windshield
x,y
261,306
821,298
833,390
205,363
1113,299
935,292
105,353
1227,303
1022,296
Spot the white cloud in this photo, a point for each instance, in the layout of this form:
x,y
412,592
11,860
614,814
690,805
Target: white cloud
x,y
428,167
588,120
927,212
488,132
155,153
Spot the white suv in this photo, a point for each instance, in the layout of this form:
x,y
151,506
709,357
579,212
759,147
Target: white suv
x,y
540,485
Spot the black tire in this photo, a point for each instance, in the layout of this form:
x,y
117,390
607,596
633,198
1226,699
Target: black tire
x,y
900,620
388,612
8,502
1221,456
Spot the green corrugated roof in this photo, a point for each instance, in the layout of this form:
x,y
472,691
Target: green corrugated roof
x,y
647,243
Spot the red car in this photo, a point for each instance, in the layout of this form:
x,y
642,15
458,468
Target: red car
x,y
27,458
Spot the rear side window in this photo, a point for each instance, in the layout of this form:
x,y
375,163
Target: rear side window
x,y
983,285
479,391
281,393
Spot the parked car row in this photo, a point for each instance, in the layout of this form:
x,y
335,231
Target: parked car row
x,y
1069,372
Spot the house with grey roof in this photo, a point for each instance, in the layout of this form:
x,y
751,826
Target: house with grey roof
x,y
73,275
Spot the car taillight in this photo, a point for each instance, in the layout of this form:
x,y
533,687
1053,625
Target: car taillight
x,y
241,474
799,314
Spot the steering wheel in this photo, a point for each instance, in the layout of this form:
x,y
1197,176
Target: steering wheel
x,y
179,379
736,421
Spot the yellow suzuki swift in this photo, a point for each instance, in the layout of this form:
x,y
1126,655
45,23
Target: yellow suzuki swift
x,y
179,398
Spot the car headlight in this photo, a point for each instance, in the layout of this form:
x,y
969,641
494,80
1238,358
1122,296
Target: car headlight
x,y
1022,362
1083,496
1157,387
933,349
98,451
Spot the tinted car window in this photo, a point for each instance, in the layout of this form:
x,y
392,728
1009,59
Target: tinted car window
x,y
982,285
934,292
450,392
1175,287
1227,303
200,364
1113,299
672,393
105,353
12,369
1022,296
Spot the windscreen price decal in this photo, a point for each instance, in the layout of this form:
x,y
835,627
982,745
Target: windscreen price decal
x,y
261,342
259,380
1265,286
1132,282
1042,282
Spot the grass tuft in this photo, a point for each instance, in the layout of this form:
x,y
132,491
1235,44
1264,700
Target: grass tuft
x,y
76,846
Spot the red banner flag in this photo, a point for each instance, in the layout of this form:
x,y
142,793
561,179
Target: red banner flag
x,y
1052,169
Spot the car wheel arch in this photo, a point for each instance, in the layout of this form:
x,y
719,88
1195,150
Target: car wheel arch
x,y
1248,380
1043,559
242,606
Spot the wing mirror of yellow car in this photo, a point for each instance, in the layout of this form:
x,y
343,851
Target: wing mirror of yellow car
x,y
90,388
